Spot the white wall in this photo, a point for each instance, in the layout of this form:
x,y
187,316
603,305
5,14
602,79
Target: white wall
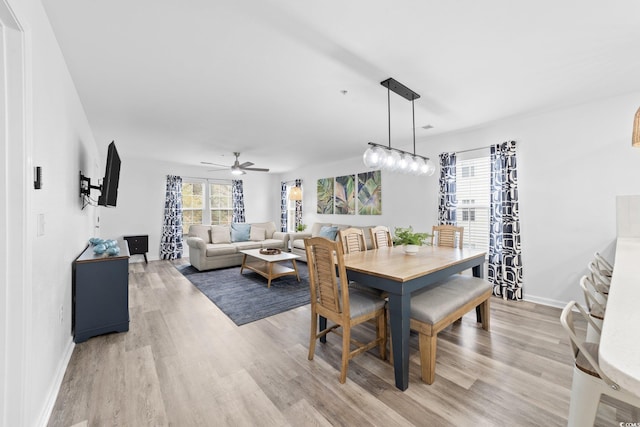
x,y
572,163
61,142
141,194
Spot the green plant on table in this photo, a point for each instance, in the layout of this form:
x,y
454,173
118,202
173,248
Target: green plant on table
x,y
301,227
406,236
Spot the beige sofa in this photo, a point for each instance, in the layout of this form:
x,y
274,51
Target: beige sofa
x,y
217,246
297,239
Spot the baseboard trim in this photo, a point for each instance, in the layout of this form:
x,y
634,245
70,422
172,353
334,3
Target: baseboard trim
x,y
43,421
546,301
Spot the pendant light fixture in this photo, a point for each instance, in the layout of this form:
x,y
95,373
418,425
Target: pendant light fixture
x,y
393,159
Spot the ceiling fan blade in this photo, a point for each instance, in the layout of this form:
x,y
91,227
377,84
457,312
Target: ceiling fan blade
x,y
214,164
256,169
245,165
216,170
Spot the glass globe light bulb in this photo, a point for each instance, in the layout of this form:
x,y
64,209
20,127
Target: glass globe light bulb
x,y
392,160
419,165
373,157
413,166
430,168
403,164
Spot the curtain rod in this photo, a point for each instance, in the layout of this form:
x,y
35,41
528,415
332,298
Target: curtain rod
x,y
473,149
205,179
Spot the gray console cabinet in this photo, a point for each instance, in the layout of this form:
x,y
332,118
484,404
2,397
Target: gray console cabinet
x,y
100,293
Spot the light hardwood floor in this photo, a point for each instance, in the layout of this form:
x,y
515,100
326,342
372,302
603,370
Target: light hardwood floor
x,y
184,363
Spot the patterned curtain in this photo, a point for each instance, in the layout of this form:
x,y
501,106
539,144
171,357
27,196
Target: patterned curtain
x,y
171,239
298,206
238,200
448,200
283,207
505,258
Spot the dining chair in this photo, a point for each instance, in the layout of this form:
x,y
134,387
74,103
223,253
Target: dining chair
x,y
601,282
596,305
603,265
380,237
445,235
352,240
344,306
589,382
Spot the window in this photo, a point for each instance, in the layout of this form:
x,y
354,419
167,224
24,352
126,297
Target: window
x,y
473,193
221,203
192,204
291,210
206,202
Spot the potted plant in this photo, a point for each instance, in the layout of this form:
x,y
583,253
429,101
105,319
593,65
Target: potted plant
x,y
301,227
409,239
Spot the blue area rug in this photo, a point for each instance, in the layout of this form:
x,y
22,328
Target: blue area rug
x,y
245,298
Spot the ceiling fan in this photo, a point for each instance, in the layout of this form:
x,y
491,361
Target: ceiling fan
x,y
237,168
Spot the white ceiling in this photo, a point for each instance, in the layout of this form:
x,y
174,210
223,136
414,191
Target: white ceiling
x,y
193,80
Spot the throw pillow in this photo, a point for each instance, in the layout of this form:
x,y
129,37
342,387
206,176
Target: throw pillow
x,y
328,232
220,234
240,232
257,234
201,231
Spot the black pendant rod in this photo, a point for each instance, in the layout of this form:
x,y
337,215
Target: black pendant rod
x,y
413,113
389,114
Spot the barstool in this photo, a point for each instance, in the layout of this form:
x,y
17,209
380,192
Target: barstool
x,y
596,304
589,382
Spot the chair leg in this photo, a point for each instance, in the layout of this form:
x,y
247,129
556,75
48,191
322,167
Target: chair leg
x,y
585,397
313,337
427,346
485,314
346,350
382,336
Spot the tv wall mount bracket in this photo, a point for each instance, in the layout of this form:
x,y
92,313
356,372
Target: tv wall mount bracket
x,y
86,187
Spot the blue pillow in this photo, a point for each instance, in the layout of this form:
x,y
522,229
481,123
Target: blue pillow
x,y
240,232
328,232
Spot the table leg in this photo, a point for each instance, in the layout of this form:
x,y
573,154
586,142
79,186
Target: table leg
x,y
295,267
270,275
478,271
399,312
244,260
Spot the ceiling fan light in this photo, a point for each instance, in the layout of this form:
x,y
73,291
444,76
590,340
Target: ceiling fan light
x,y
236,170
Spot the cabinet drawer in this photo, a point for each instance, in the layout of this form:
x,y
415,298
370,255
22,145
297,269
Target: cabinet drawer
x,y
137,244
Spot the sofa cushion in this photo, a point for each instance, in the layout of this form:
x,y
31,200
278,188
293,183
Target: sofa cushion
x,y
272,243
240,232
221,249
269,227
220,234
328,232
315,228
257,233
247,245
201,231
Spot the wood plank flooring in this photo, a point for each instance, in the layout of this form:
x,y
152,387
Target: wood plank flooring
x,y
184,363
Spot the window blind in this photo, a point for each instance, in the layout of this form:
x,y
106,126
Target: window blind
x,y
473,193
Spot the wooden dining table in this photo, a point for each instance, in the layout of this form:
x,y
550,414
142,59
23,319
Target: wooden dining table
x,y
399,274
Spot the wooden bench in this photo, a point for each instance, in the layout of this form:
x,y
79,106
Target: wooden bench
x,y
436,307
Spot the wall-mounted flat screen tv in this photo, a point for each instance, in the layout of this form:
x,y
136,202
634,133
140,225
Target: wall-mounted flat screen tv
x,y
109,193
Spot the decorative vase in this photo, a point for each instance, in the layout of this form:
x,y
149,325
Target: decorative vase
x,y
99,249
410,249
114,250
